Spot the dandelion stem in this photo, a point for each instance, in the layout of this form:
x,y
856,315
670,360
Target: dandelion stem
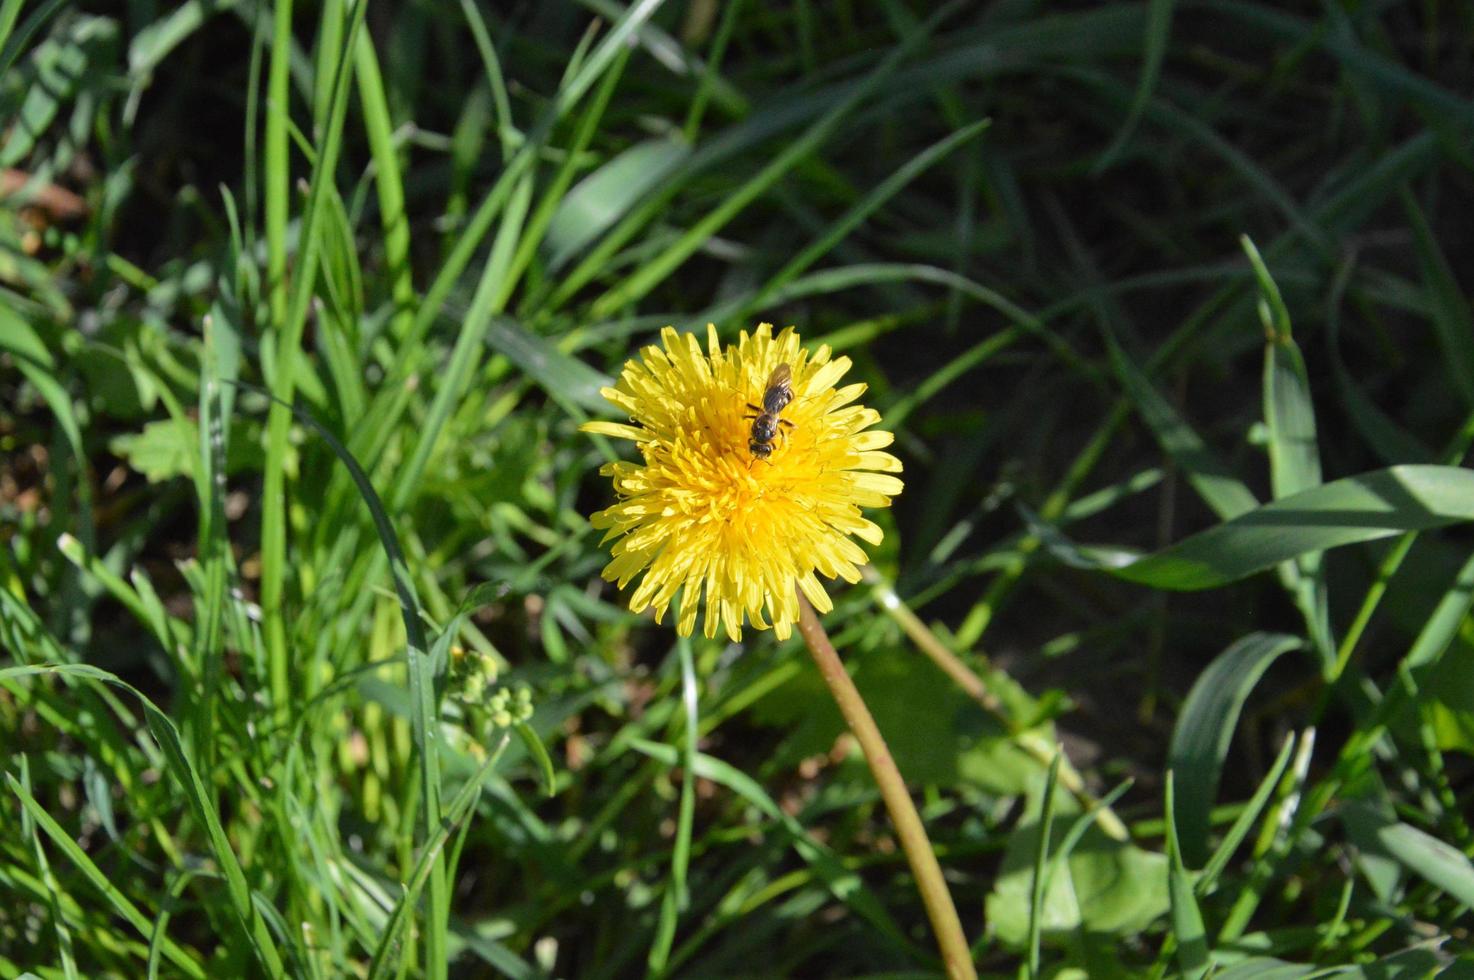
x,y
956,954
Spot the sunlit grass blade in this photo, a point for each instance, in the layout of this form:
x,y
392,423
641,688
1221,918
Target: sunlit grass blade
x,y
654,271
1348,511
388,182
385,960
1244,822
873,201
95,876
11,49
424,703
289,308
53,889
184,774
677,896
603,196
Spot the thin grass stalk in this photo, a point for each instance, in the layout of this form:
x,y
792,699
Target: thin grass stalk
x,y
1038,748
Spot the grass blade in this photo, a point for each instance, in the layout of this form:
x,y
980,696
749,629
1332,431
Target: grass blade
x,y
1205,729
1348,511
1187,918
1209,476
653,272
179,766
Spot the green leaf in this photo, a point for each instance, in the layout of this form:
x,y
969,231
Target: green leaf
x,y
565,378
1364,821
60,66
1268,968
1102,886
1441,865
539,754
22,340
1205,729
1294,453
163,450
1245,820
607,194
1447,701
168,448
1348,511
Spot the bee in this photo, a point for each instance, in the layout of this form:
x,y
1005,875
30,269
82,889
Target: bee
x,y
765,419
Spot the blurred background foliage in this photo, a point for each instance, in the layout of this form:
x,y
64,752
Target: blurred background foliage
x,y
438,227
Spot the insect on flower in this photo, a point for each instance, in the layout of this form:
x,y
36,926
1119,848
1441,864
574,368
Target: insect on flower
x,y
694,518
776,396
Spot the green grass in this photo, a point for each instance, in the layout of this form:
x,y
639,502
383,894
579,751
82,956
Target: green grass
x,y
301,308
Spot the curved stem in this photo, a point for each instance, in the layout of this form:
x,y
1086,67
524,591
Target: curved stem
x,y
956,954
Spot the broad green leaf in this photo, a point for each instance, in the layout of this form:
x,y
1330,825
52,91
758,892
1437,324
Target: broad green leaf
x,y
1205,730
1360,508
607,194
1441,865
1269,968
163,450
1102,886
1364,820
171,447
568,380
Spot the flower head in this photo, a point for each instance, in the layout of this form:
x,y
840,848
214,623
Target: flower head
x,y
704,512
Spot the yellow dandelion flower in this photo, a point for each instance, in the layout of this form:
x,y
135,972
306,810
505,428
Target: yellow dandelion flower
x,y
702,512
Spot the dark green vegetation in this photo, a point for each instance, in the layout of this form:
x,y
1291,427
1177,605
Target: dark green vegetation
x,y
466,219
